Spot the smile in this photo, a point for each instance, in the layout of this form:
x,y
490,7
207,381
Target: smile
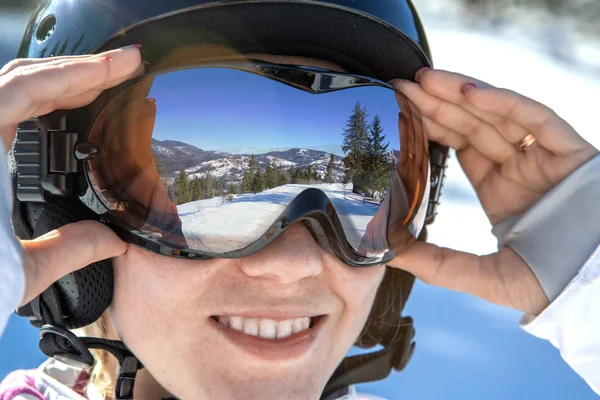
x,y
269,338
266,328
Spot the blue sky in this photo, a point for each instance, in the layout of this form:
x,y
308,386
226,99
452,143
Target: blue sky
x,y
225,109
468,349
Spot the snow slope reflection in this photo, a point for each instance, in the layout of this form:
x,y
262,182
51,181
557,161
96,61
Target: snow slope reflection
x,y
231,222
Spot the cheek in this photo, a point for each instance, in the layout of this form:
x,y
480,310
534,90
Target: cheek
x,y
357,288
137,304
150,294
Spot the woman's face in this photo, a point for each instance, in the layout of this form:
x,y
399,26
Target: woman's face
x,y
167,310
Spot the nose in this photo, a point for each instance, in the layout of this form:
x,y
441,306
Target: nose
x,y
291,257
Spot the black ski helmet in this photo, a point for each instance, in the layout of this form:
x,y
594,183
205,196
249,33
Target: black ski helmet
x,y
383,39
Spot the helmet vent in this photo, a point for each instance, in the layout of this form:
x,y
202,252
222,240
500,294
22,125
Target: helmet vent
x,y
46,28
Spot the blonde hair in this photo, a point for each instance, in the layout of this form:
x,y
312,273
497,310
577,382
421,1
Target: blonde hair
x,y
101,385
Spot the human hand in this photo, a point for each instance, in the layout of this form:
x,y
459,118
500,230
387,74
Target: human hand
x,y
31,87
485,126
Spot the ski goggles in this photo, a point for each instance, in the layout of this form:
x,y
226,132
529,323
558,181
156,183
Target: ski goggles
x,y
218,159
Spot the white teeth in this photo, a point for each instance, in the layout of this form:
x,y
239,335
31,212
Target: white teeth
x,y
284,329
305,323
251,326
266,328
236,323
297,325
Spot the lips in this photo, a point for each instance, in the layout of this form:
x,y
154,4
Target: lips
x,y
268,338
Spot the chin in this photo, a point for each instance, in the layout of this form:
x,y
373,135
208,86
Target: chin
x,y
237,386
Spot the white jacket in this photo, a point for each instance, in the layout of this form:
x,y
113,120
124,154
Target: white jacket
x,y
571,322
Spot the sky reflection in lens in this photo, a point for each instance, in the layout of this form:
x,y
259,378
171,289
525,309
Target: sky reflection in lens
x,y
243,113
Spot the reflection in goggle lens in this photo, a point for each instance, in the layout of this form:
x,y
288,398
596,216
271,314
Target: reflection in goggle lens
x,y
210,166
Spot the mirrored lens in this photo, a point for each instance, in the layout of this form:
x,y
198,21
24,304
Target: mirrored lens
x,y
209,158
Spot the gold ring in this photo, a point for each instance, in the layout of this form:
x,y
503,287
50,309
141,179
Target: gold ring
x,y
526,142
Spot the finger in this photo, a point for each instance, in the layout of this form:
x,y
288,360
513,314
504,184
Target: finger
x,y
70,102
31,63
444,136
85,98
502,278
445,85
28,62
476,166
24,92
139,71
444,267
67,249
450,86
551,131
479,133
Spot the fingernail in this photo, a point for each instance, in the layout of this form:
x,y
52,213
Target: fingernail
x,y
108,58
397,82
152,100
467,86
420,73
145,62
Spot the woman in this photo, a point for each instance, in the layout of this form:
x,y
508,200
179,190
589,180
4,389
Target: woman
x,y
277,320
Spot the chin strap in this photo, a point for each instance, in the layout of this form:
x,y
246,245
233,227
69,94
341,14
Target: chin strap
x,y
57,342
64,346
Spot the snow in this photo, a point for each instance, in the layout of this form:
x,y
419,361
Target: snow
x,y
234,166
162,150
185,149
280,162
221,225
217,168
